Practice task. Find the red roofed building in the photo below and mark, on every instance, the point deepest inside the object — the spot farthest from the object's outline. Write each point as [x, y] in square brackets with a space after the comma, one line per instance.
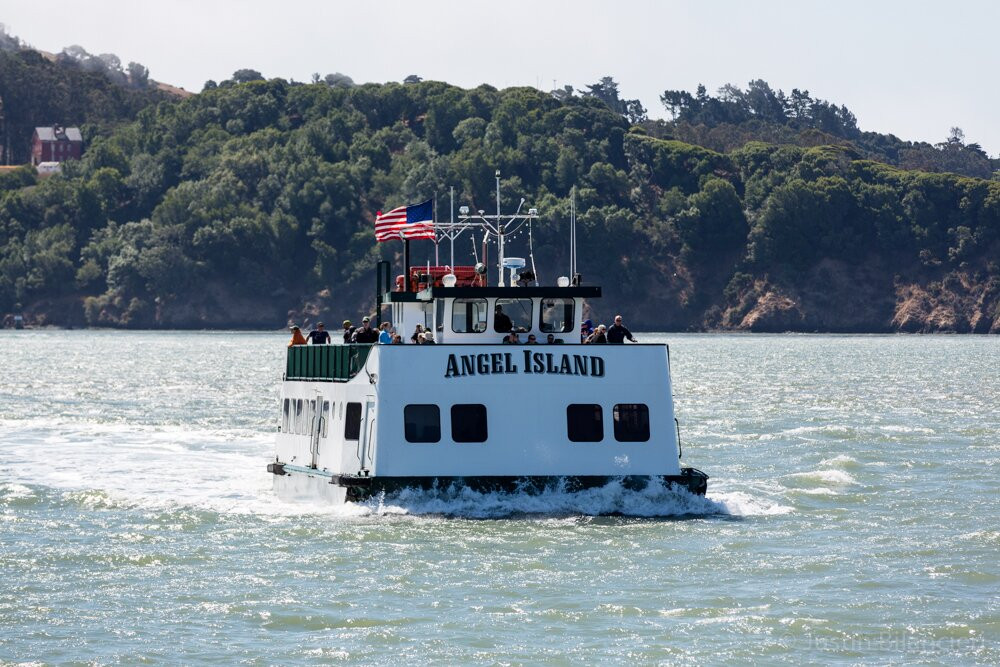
[56, 144]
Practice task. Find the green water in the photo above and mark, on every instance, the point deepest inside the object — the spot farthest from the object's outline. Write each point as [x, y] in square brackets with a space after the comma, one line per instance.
[852, 517]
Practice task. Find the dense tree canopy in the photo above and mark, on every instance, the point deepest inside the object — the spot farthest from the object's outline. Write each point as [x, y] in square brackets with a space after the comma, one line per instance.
[263, 192]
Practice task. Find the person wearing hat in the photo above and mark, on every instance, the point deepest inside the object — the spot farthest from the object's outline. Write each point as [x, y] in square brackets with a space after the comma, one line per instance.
[348, 332]
[365, 335]
[319, 335]
[586, 329]
[297, 337]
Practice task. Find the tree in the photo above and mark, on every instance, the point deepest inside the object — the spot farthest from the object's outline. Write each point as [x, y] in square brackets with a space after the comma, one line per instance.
[247, 75]
[138, 75]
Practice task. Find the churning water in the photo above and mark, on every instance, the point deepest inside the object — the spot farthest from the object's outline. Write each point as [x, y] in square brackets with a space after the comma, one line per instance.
[853, 515]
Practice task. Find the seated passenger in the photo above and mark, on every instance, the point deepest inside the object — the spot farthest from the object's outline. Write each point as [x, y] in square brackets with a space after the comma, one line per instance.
[550, 339]
[428, 338]
[532, 340]
[319, 335]
[586, 329]
[599, 337]
[397, 339]
[418, 335]
[297, 337]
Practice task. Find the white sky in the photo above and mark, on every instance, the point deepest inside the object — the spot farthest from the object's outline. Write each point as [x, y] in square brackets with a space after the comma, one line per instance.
[912, 68]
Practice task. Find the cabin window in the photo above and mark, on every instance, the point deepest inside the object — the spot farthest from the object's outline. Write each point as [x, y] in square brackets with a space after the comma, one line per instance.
[422, 423]
[326, 420]
[468, 423]
[468, 315]
[631, 422]
[557, 316]
[298, 416]
[512, 315]
[311, 418]
[352, 423]
[286, 410]
[585, 422]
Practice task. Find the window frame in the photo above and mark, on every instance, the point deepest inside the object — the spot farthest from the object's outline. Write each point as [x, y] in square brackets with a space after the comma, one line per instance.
[406, 423]
[485, 420]
[466, 302]
[617, 409]
[575, 407]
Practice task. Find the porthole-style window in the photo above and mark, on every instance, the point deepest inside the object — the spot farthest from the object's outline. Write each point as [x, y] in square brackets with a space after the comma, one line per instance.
[422, 423]
[631, 422]
[468, 423]
[585, 422]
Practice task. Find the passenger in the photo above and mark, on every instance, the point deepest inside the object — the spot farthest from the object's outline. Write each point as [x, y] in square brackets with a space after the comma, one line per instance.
[384, 337]
[515, 338]
[319, 335]
[428, 338]
[348, 332]
[397, 339]
[501, 321]
[550, 339]
[297, 337]
[618, 332]
[532, 340]
[586, 329]
[365, 335]
[599, 337]
[418, 335]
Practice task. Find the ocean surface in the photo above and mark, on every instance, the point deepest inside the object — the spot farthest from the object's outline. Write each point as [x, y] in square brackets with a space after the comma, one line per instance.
[853, 516]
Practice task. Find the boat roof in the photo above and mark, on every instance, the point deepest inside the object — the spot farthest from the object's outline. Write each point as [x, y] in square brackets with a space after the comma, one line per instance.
[587, 292]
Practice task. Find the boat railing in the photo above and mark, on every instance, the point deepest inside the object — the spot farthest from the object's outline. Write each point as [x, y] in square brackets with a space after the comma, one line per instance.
[330, 363]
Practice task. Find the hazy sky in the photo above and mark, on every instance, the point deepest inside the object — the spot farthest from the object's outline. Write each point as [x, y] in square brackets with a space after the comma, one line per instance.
[911, 68]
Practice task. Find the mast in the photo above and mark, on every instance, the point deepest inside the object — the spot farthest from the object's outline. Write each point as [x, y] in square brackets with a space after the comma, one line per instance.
[500, 230]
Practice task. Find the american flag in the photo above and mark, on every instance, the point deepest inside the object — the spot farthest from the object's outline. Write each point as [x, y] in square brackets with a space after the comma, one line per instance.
[408, 222]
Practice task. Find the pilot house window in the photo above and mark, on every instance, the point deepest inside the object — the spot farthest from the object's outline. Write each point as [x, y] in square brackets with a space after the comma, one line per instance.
[631, 422]
[468, 316]
[422, 423]
[557, 316]
[512, 315]
[585, 422]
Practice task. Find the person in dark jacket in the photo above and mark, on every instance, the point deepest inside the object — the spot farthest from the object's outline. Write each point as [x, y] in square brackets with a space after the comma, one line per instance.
[501, 321]
[348, 332]
[599, 337]
[618, 332]
[366, 335]
[319, 335]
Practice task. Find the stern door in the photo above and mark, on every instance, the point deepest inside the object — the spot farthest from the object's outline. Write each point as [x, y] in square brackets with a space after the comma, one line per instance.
[367, 444]
[316, 429]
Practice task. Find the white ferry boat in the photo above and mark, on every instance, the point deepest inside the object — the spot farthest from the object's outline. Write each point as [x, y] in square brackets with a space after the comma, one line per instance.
[358, 420]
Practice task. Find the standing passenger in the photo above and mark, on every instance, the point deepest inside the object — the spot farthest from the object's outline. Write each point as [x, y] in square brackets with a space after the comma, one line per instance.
[348, 332]
[319, 336]
[418, 335]
[297, 337]
[586, 329]
[618, 332]
[365, 335]
[384, 337]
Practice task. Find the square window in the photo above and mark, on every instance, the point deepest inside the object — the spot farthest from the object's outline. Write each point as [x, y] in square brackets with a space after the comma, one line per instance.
[422, 423]
[631, 422]
[468, 423]
[585, 422]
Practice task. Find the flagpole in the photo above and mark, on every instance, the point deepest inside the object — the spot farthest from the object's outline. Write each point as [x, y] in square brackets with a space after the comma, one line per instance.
[434, 217]
[406, 264]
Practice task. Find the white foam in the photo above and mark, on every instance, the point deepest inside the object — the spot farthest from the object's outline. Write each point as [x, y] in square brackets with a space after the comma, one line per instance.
[835, 477]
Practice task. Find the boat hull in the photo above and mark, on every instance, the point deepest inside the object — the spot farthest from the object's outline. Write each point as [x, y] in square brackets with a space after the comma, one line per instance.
[294, 482]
